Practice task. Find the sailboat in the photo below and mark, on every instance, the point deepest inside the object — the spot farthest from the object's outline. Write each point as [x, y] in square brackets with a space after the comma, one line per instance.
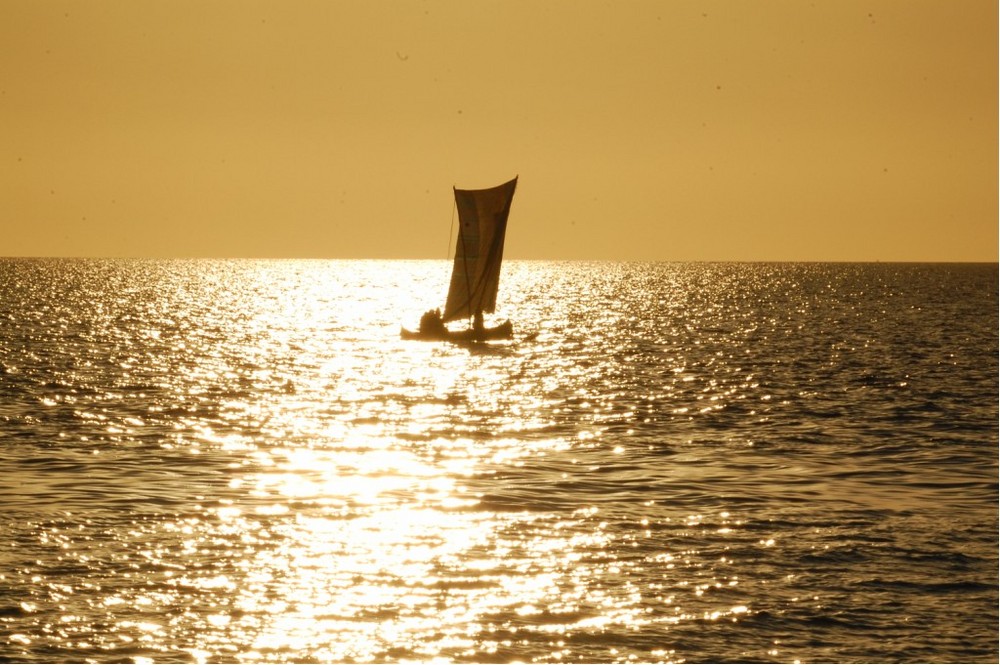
[475, 274]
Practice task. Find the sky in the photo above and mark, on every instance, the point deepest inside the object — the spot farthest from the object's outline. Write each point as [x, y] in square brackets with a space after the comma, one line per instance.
[681, 130]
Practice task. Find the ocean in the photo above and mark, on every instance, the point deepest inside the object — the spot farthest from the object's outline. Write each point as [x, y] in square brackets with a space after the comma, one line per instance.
[241, 461]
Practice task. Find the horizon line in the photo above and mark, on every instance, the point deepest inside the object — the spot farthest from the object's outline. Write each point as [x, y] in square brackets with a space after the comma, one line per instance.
[538, 260]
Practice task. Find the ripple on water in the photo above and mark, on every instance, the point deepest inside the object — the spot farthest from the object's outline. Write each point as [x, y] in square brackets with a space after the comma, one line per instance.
[239, 461]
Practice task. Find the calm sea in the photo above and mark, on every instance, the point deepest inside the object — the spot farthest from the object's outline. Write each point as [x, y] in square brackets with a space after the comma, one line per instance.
[240, 461]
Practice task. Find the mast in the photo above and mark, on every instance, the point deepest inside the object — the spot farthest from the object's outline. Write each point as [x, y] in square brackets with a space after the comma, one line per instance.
[475, 276]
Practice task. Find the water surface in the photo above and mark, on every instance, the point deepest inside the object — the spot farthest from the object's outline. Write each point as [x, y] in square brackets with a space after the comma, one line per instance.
[240, 461]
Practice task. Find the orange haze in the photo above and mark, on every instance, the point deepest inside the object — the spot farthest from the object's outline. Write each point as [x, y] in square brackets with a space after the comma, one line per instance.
[682, 130]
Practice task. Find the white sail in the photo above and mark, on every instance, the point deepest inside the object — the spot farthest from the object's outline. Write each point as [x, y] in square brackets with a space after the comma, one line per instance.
[475, 276]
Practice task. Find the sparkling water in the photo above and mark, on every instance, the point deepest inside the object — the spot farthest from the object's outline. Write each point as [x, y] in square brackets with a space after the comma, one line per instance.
[240, 461]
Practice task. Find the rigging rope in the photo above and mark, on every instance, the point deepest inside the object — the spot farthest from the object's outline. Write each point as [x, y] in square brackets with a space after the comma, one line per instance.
[447, 253]
[451, 229]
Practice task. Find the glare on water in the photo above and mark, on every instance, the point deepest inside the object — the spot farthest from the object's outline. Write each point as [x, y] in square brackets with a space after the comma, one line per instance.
[241, 461]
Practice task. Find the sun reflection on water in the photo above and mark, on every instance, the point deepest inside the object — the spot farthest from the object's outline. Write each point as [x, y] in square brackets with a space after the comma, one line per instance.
[393, 559]
[377, 551]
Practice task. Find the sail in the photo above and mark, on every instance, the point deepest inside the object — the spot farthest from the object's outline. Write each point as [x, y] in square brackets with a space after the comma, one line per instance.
[475, 276]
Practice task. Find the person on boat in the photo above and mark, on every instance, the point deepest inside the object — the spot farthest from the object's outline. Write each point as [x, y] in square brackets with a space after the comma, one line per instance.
[477, 325]
[431, 323]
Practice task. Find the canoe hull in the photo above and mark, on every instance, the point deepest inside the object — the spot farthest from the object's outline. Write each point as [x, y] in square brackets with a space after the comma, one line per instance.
[503, 331]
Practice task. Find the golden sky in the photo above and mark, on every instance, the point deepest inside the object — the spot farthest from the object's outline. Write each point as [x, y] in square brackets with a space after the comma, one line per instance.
[667, 130]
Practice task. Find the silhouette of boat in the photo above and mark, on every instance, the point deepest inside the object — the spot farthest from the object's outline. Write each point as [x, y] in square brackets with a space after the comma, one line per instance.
[475, 275]
[503, 331]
